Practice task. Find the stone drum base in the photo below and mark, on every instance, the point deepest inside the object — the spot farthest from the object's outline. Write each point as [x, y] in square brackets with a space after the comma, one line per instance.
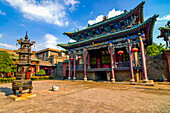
[24, 96]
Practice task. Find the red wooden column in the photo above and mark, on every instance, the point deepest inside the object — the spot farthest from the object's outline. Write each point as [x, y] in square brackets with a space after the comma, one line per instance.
[85, 75]
[114, 59]
[74, 76]
[69, 73]
[112, 64]
[143, 58]
[88, 55]
[131, 63]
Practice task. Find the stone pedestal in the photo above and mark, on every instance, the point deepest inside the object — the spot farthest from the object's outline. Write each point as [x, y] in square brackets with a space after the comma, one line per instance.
[74, 78]
[69, 78]
[24, 96]
[85, 79]
[132, 80]
[113, 80]
[145, 80]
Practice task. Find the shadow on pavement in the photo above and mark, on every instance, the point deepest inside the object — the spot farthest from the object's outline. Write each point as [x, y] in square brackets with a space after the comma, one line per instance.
[6, 90]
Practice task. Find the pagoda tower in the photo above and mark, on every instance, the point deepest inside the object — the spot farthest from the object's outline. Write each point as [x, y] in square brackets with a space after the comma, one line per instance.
[22, 75]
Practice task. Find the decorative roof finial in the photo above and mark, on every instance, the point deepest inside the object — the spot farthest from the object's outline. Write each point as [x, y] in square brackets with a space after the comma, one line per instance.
[26, 37]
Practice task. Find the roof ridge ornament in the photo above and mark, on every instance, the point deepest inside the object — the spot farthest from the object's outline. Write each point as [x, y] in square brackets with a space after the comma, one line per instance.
[26, 37]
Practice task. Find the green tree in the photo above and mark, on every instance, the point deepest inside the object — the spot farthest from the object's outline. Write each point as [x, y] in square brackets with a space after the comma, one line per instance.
[155, 49]
[6, 65]
[41, 72]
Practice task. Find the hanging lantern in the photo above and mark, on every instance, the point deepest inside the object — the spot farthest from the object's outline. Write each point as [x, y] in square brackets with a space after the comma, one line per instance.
[79, 57]
[120, 52]
[135, 50]
[71, 58]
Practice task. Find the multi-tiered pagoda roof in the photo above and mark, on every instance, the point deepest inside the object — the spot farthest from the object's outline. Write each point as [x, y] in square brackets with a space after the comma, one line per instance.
[123, 25]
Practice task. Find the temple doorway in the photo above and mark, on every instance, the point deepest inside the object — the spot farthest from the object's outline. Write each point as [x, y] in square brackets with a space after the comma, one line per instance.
[100, 76]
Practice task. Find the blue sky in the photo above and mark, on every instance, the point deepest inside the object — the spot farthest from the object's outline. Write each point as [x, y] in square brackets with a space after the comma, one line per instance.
[46, 20]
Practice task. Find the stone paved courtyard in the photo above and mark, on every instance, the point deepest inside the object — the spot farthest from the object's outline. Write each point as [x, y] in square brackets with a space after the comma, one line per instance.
[88, 97]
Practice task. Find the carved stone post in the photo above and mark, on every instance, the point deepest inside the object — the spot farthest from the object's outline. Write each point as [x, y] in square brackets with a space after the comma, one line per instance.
[145, 77]
[69, 69]
[112, 64]
[131, 63]
[85, 75]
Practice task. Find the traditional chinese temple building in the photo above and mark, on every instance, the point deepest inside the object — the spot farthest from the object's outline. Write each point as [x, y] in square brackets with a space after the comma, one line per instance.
[165, 34]
[113, 49]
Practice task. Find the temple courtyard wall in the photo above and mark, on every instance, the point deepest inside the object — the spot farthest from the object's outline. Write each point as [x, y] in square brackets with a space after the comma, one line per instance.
[157, 67]
[120, 75]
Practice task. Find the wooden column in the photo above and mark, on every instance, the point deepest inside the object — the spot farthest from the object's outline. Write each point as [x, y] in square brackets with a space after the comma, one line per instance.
[69, 73]
[112, 63]
[74, 64]
[85, 75]
[88, 55]
[135, 54]
[143, 58]
[130, 61]
[114, 59]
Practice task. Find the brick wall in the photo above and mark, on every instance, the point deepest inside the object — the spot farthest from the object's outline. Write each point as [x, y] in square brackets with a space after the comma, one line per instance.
[122, 75]
[80, 75]
[157, 66]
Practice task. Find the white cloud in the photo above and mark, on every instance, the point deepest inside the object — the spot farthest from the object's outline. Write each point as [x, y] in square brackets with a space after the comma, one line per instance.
[114, 13]
[50, 11]
[49, 41]
[165, 18]
[71, 40]
[8, 46]
[0, 35]
[2, 13]
[98, 19]
[72, 3]
[81, 27]
[111, 13]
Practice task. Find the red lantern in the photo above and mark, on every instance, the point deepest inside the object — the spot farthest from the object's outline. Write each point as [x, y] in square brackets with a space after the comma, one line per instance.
[135, 50]
[79, 57]
[71, 58]
[120, 52]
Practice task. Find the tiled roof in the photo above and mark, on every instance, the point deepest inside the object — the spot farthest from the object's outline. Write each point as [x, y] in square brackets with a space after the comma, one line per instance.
[111, 34]
[164, 28]
[45, 63]
[107, 21]
[48, 49]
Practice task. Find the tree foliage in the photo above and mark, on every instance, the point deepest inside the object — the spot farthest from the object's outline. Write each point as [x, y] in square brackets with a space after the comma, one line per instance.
[5, 62]
[155, 49]
[41, 72]
[6, 65]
